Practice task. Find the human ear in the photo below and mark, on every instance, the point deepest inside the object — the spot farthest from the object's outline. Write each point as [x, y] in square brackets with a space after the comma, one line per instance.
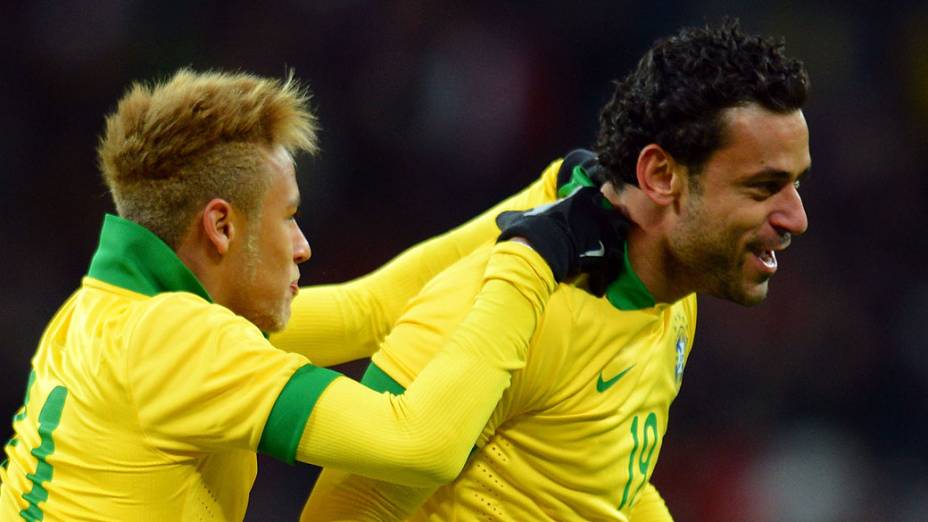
[217, 224]
[659, 176]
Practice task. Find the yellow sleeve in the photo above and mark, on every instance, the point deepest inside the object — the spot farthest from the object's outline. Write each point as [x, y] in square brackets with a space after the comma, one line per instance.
[332, 324]
[430, 317]
[650, 507]
[427, 322]
[423, 437]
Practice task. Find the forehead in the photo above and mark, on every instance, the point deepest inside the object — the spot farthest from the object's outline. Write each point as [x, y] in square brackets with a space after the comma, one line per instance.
[280, 169]
[756, 139]
[278, 157]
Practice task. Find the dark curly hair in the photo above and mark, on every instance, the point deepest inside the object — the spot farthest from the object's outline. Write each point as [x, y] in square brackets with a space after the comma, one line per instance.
[676, 95]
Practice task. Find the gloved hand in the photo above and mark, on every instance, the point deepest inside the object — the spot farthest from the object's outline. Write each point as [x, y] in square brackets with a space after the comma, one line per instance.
[581, 233]
[580, 168]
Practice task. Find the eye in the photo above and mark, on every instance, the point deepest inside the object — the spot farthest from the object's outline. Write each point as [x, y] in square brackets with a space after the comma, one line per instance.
[765, 189]
[796, 184]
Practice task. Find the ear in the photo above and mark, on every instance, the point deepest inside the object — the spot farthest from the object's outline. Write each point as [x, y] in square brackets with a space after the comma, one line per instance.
[218, 226]
[659, 176]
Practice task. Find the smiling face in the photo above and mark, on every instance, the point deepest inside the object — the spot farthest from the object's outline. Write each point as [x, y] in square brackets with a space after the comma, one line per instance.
[266, 272]
[743, 206]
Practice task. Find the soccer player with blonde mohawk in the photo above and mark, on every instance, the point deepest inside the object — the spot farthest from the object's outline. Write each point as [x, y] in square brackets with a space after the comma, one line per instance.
[702, 147]
[154, 385]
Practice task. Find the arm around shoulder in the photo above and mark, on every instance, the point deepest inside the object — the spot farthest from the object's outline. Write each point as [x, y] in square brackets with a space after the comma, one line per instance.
[416, 438]
[332, 324]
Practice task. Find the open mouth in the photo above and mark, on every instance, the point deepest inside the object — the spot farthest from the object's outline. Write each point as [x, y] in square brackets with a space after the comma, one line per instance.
[767, 258]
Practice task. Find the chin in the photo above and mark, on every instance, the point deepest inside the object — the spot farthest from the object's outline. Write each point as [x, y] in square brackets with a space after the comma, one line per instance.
[276, 324]
[282, 322]
[745, 294]
[753, 295]
[270, 323]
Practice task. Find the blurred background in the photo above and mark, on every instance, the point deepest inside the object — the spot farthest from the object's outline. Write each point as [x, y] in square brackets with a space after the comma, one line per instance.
[809, 407]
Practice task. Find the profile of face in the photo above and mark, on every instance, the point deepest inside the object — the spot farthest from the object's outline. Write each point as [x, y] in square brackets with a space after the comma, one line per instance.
[745, 205]
[270, 249]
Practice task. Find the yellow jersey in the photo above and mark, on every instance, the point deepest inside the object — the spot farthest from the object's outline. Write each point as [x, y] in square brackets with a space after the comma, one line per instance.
[575, 437]
[147, 401]
[578, 433]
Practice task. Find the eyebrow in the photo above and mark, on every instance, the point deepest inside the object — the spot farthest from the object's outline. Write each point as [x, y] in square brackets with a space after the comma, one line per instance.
[780, 175]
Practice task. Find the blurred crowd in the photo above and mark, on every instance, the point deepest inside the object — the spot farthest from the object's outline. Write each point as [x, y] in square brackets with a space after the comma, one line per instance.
[810, 407]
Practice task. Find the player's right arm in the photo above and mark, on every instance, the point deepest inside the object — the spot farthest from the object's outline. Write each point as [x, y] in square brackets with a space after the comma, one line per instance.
[332, 324]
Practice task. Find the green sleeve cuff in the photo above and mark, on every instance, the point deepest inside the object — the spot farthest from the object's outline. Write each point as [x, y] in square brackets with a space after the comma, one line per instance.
[378, 380]
[288, 417]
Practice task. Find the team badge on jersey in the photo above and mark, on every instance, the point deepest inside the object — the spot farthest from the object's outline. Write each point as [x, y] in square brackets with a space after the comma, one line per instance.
[680, 348]
[681, 355]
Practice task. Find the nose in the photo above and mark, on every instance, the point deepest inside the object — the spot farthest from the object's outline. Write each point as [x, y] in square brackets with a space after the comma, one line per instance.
[301, 250]
[790, 215]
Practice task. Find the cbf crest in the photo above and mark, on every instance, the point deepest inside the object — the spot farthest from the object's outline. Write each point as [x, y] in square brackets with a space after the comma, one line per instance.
[679, 327]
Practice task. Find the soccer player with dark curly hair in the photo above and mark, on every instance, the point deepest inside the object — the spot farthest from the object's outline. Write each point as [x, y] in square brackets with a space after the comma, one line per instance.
[702, 147]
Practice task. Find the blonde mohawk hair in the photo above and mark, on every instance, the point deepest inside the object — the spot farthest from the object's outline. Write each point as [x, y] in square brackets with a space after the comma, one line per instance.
[172, 146]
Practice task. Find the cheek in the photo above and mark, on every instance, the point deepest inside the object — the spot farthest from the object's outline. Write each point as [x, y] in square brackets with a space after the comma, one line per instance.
[719, 237]
[736, 219]
[749, 226]
[274, 255]
[283, 253]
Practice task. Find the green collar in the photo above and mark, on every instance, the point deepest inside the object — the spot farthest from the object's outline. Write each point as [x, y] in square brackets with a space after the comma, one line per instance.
[627, 292]
[578, 179]
[132, 257]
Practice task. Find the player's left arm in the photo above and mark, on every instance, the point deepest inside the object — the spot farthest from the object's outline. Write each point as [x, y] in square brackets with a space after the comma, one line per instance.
[203, 379]
[414, 341]
[650, 507]
[415, 438]
[431, 317]
[332, 324]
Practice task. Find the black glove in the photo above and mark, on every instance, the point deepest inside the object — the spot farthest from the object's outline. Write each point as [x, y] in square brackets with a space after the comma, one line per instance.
[580, 168]
[581, 233]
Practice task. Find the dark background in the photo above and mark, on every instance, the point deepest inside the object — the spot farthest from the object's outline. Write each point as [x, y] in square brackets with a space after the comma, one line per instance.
[809, 407]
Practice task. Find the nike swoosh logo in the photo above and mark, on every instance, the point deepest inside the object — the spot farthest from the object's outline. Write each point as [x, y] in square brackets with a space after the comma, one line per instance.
[596, 252]
[602, 385]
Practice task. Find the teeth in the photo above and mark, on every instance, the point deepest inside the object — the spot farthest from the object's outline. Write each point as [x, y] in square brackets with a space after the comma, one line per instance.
[769, 258]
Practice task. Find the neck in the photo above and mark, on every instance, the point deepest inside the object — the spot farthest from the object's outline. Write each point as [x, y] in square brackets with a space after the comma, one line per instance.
[647, 246]
[204, 266]
[647, 254]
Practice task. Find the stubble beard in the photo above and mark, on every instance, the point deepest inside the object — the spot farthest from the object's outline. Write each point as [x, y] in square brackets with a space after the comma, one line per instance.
[267, 319]
[709, 261]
